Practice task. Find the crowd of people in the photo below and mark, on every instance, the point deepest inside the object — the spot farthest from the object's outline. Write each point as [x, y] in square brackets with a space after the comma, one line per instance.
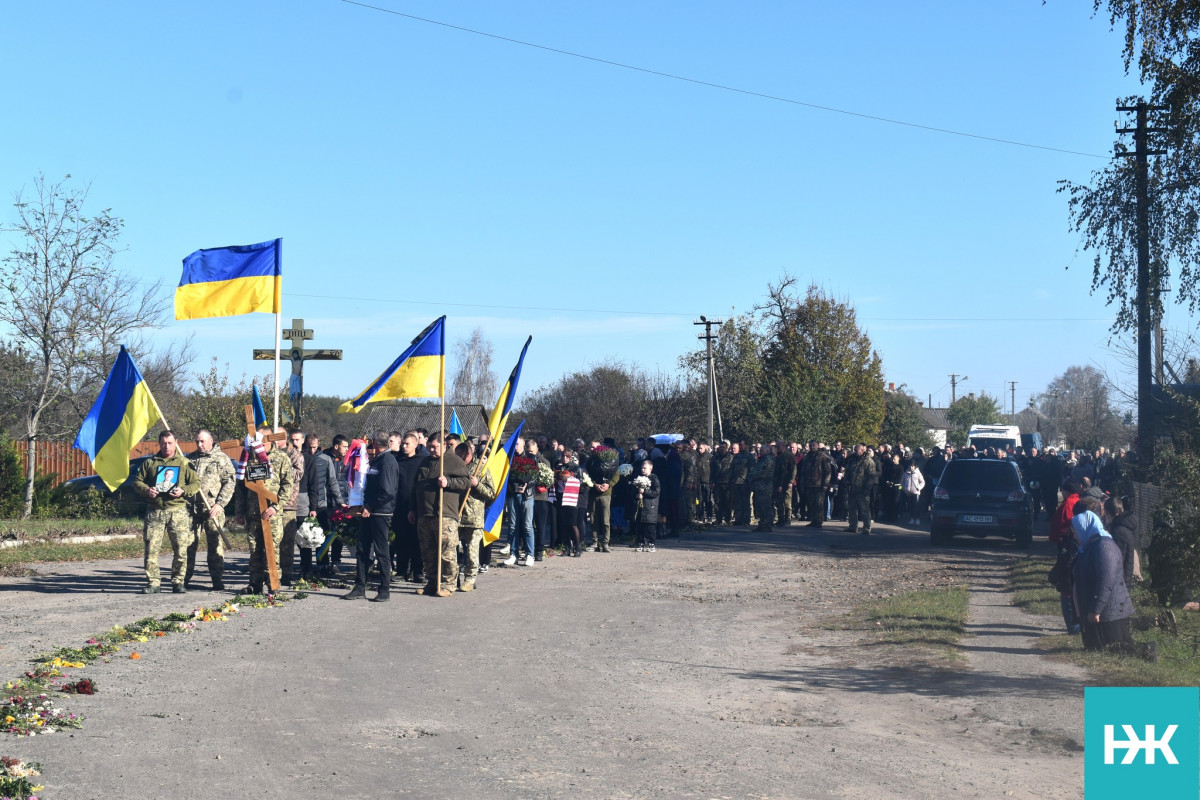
[425, 497]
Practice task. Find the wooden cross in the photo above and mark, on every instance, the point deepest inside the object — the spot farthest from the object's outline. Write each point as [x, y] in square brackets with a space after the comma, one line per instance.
[298, 354]
[264, 496]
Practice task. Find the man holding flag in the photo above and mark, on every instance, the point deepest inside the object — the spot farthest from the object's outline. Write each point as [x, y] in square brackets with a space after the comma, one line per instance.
[446, 473]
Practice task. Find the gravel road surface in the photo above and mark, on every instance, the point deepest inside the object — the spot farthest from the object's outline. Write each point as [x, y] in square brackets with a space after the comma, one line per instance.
[707, 669]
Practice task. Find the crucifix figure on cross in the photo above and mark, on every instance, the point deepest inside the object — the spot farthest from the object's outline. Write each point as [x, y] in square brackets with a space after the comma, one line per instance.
[298, 354]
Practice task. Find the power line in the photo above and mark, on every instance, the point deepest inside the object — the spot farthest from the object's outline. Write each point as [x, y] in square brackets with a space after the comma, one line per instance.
[722, 87]
[641, 313]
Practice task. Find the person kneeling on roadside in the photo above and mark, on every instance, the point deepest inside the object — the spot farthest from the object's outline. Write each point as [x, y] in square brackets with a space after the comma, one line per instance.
[1101, 597]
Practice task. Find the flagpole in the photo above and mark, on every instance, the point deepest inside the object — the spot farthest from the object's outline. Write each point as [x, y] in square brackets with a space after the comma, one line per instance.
[278, 343]
[441, 475]
[479, 462]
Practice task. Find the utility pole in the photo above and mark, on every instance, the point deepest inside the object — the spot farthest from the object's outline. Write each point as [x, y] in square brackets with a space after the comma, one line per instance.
[1012, 403]
[1147, 295]
[954, 382]
[709, 338]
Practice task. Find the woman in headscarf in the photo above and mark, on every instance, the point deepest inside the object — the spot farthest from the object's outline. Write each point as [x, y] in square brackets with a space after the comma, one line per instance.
[1060, 535]
[1101, 597]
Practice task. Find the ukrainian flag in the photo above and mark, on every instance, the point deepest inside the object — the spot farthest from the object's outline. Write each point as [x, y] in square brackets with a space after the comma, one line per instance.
[455, 426]
[227, 281]
[499, 414]
[497, 467]
[119, 419]
[420, 371]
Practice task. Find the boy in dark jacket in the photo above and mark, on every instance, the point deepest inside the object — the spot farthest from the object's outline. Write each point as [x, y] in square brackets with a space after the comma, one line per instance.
[647, 489]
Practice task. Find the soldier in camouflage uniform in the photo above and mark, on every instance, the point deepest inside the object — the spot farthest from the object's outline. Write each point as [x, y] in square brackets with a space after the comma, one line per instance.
[691, 485]
[447, 471]
[281, 482]
[861, 477]
[719, 472]
[166, 511]
[217, 479]
[287, 548]
[470, 525]
[739, 482]
[785, 476]
[762, 482]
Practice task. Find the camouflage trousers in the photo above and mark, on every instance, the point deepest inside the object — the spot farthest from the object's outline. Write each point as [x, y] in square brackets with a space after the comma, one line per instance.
[176, 523]
[470, 539]
[763, 508]
[258, 558]
[427, 533]
[210, 527]
[287, 546]
[859, 509]
[687, 506]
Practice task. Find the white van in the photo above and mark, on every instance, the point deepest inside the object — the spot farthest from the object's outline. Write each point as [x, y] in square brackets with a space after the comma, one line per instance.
[1000, 437]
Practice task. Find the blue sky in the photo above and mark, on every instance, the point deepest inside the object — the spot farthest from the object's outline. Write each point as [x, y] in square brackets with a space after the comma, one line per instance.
[414, 170]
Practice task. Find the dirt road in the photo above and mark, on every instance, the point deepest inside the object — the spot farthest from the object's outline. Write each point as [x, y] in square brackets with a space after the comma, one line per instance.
[703, 670]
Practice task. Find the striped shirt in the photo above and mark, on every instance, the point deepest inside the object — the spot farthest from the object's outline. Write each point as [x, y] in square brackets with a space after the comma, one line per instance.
[570, 491]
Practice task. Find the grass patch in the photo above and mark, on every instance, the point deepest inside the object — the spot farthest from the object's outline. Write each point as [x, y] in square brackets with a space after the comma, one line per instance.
[14, 561]
[1031, 588]
[929, 619]
[60, 528]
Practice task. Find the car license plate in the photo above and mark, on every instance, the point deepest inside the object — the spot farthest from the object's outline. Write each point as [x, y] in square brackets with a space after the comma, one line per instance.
[978, 518]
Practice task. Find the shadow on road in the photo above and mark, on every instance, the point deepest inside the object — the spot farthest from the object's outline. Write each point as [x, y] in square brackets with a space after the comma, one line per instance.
[917, 680]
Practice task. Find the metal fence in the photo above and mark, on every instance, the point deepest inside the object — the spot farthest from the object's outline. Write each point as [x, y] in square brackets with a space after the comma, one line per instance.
[1147, 499]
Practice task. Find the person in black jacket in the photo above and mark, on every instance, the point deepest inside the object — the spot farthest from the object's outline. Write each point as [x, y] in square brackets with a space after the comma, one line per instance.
[379, 503]
[1122, 525]
[407, 550]
[647, 493]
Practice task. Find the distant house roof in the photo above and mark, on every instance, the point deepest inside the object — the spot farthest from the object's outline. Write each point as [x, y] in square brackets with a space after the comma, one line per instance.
[1028, 419]
[385, 417]
[935, 418]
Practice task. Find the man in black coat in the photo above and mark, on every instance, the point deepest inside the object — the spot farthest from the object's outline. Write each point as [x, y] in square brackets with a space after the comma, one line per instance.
[407, 550]
[379, 503]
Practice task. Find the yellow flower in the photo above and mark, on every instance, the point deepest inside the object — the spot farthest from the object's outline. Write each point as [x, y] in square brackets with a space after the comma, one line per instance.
[9, 720]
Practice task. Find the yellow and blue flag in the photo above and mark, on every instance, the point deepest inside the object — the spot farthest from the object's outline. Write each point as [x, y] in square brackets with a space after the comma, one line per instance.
[420, 371]
[497, 467]
[504, 404]
[227, 281]
[118, 420]
[455, 426]
[260, 415]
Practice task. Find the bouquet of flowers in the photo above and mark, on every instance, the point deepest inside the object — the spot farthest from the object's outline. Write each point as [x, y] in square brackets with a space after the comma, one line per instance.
[545, 476]
[642, 482]
[625, 470]
[309, 535]
[16, 778]
[604, 463]
[523, 470]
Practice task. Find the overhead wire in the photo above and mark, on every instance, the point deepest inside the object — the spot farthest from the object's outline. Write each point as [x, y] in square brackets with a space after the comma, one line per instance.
[721, 86]
[647, 313]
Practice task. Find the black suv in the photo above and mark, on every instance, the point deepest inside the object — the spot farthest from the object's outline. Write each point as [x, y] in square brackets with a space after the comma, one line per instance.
[982, 497]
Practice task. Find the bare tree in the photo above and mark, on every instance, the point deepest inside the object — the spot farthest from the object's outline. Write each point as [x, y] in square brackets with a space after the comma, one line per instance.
[65, 305]
[1079, 411]
[474, 382]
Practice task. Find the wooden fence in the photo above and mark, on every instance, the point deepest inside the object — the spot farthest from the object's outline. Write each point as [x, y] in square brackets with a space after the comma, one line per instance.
[62, 459]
